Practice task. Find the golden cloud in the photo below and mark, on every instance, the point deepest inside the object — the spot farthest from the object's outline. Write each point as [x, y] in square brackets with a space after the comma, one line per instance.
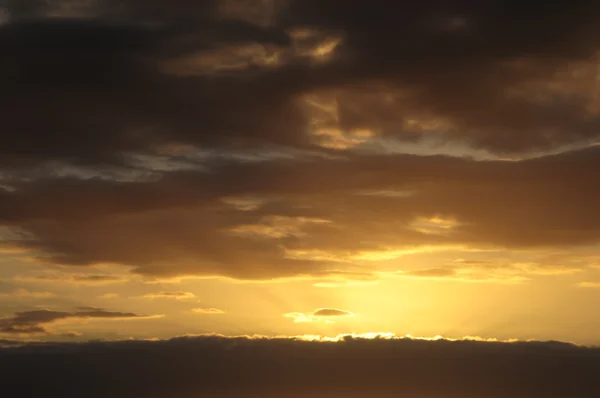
[208, 311]
[320, 315]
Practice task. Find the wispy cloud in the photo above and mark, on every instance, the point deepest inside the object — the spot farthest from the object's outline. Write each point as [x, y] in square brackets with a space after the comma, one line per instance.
[36, 322]
[208, 311]
[71, 278]
[24, 293]
[320, 315]
[169, 295]
[488, 271]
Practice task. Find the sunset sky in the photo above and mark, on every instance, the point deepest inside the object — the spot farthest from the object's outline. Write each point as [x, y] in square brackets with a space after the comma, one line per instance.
[305, 168]
[233, 167]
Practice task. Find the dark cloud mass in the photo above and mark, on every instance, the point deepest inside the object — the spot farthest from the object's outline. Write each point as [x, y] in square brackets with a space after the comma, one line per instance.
[236, 367]
[95, 87]
[180, 225]
[128, 127]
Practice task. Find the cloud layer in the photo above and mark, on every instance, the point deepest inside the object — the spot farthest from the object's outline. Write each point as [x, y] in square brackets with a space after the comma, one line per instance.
[268, 368]
[314, 216]
[202, 75]
[268, 139]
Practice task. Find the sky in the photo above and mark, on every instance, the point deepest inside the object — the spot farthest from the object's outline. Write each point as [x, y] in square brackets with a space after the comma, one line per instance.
[278, 174]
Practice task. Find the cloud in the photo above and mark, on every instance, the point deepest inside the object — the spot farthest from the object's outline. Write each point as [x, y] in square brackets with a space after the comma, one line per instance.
[98, 279]
[24, 293]
[267, 367]
[181, 234]
[72, 334]
[321, 315]
[35, 322]
[76, 279]
[169, 295]
[490, 271]
[128, 56]
[10, 249]
[109, 296]
[208, 311]
[10, 343]
[246, 83]
[277, 227]
[162, 113]
[331, 312]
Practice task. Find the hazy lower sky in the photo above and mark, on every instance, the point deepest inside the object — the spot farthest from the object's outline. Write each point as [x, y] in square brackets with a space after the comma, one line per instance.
[299, 168]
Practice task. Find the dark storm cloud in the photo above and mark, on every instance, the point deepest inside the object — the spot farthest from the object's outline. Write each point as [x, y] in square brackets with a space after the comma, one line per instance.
[34, 322]
[85, 89]
[498, 75]
[236, 367]
[484, 69]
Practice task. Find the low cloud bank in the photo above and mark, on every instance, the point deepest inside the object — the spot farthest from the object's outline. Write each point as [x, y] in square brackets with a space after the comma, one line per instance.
[235, 367]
